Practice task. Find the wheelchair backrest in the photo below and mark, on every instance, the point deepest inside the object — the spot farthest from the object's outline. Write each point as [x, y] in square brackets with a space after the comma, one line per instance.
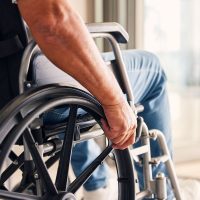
[13, 39]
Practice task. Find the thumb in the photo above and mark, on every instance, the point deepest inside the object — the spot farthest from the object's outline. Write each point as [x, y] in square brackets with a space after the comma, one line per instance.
[105, 125]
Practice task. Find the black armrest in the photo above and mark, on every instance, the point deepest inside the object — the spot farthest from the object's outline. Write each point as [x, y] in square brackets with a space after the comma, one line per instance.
[115, 29]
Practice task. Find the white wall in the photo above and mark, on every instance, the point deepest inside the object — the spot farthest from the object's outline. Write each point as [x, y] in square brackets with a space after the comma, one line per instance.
[85, 8]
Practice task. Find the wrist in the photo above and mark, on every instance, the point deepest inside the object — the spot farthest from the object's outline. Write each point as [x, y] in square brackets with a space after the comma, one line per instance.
[115, 100]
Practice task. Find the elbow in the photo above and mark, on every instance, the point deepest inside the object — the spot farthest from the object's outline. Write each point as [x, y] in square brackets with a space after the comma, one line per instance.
[44, 29]
[53, 26]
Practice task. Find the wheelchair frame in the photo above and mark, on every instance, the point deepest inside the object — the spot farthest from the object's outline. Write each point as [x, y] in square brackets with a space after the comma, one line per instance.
[153, 188]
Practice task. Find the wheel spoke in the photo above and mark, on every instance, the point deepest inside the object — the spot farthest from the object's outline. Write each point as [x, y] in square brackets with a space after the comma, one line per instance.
[12, 168]
[52, 160]
[41, 167]
[2, 187]
[65, 154]
[17, 196]
[82, 178]
[13, 156]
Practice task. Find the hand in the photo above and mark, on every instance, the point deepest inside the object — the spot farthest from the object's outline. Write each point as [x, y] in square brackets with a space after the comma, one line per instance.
[121, 124]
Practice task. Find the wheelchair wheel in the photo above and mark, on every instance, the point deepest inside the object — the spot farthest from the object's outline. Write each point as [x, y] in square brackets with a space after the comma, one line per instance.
[22, 122]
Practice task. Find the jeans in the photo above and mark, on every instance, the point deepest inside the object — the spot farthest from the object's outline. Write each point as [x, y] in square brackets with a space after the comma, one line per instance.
[148, 83]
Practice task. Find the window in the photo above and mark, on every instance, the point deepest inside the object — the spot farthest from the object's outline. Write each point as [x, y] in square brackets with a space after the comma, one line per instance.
[172, 30]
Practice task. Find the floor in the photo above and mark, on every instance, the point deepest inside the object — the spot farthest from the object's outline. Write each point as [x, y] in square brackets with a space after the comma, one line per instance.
[189, 179]
[188, 169]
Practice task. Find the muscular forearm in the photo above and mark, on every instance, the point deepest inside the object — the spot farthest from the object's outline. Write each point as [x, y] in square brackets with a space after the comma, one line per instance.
[64, 39]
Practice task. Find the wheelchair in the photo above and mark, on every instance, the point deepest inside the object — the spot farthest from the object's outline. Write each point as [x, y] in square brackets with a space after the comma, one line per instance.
[21, 125]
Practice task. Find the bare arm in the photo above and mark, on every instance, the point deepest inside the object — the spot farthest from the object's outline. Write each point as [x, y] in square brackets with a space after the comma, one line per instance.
[64, 39]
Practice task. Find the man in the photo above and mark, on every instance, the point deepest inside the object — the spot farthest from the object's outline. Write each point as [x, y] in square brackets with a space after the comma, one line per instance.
[56, 24]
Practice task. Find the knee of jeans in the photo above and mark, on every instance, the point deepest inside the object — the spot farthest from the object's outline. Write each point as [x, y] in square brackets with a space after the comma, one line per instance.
[156, 66]
[152, 57]
[142, 59]
[153, 65]
[154, 61]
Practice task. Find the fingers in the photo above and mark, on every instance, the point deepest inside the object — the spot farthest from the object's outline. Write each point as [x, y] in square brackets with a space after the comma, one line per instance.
[120, 140]
[130, 140]
[114, 136]
[105, 126]
[123, 137]
[120, 125]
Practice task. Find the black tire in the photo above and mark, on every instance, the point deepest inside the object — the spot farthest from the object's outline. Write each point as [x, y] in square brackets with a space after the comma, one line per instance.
[13, 126]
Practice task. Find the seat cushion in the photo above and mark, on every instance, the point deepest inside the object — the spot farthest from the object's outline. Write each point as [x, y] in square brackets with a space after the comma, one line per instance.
[45, 72]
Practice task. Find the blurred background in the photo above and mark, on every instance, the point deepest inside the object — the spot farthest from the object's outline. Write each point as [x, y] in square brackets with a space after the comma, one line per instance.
[171, 30]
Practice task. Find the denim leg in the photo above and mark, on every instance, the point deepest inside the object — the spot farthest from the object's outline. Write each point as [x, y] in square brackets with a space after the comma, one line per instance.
[83, 153]
[148, 82]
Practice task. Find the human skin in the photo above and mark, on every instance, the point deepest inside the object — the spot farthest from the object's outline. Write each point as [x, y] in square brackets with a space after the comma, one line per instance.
[65, 40]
